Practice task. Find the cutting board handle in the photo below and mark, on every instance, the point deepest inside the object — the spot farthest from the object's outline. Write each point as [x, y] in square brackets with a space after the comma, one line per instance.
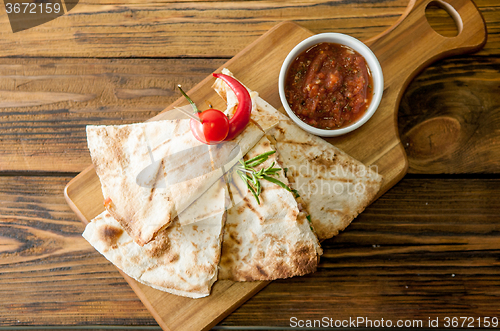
[411, 44]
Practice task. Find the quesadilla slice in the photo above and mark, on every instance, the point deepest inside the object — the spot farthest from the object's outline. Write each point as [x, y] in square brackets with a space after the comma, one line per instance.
[181, 260]
[333, 186]
[270, 240]
[151, 172]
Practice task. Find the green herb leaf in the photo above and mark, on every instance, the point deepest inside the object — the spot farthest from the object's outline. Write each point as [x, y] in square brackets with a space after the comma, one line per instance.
[277, 182]
[255, 163]
[254, 194]
[261, 156]
[251, 176]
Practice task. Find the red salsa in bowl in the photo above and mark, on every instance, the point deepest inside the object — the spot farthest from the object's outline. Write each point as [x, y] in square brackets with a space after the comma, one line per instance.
[328, 86]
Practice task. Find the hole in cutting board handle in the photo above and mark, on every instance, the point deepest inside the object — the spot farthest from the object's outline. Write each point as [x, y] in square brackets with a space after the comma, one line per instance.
[443, 18]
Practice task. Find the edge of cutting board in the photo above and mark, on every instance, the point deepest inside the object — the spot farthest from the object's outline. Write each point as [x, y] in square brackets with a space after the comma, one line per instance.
[226, 296]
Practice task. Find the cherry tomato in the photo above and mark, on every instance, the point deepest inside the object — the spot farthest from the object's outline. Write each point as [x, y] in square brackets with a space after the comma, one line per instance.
[213, 128]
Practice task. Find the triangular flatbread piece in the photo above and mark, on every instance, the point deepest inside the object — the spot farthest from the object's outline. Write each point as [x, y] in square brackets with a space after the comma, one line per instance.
[151, 172]
[269, 240]
[181, 260]
[333, 186]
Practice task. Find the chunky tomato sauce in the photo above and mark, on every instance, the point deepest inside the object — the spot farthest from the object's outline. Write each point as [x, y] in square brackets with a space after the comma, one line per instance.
[329, 86]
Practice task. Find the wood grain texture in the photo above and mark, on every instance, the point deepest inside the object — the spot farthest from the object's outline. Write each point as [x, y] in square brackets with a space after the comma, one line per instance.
[461, 92]
[48, 272]
[376, 142]
[194, 29]
[257, 66]
[428, 247]
[199, 28]
[449, 120]
[46, 103]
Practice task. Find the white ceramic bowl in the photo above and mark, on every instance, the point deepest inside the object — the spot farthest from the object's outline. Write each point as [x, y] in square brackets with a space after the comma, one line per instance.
[358, 46]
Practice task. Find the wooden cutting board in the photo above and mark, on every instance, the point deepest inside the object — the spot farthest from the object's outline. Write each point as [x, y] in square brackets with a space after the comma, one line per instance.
[403, 51]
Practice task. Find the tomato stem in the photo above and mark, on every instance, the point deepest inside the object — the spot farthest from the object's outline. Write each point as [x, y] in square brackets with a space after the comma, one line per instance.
[195, 109]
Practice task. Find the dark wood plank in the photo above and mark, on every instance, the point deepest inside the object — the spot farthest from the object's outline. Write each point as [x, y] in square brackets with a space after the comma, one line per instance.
[49, 274]
[427, 248]
[45, 104]
[449, 113]
[195, 29]
[449, 117]
[198, 28]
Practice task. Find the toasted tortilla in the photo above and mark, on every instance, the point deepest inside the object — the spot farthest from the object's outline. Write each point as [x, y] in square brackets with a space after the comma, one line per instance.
[268, 241]
[181, 260]
[333, 186]
[153, 171]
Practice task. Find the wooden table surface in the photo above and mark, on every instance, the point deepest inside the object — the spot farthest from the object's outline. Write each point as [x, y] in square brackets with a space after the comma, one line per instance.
[428, 248]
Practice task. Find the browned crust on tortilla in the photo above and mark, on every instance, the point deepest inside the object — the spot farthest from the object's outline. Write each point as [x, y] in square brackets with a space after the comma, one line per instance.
[110, 235]
[323, 161]
[268, 241]
[303, 257]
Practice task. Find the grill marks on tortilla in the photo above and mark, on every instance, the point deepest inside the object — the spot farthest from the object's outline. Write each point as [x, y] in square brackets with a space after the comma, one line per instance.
[305, 264]
[115, 144]
[296, 148]
[121, 153]
[111, 138]
[271, 263]
[182, 259]
[160, 247]
[260, 241]
[127, 226]
[153, 188]
[325, 178]
[247, 203]
[270, 241]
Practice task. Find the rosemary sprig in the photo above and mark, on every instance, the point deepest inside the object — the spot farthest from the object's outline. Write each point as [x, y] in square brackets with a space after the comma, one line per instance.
[252, 177]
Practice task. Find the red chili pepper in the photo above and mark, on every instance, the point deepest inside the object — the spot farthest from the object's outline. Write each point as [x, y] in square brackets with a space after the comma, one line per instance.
[241, 117]
[214, 126]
